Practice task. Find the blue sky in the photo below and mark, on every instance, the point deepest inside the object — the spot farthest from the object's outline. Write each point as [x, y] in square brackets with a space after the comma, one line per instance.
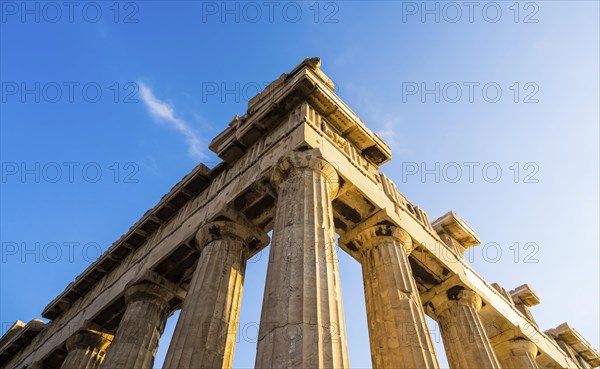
[105, 106]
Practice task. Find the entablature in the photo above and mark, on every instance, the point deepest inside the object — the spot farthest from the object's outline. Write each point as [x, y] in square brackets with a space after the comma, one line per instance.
[525, 295]
[17, 337]
[579, 344]
[306, 82]
[450, 224]
[152, 220]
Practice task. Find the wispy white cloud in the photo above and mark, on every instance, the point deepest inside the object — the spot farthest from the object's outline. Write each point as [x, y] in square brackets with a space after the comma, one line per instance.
[388, 133]
[387, 122]
[163, 112]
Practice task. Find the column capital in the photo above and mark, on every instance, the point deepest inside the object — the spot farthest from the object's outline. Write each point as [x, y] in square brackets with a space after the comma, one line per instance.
[296, 163]
[516, 347]
[370, 232]
[249, 235]
[457, 295]
[149, 291]
[370, 236]
[89, 338]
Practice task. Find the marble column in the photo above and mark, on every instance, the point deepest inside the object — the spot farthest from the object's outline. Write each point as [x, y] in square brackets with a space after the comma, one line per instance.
[398, 333]
[302, 321]
[86, 350]
[517, 354]
[140, 329]
[205, 334]
[465, 341]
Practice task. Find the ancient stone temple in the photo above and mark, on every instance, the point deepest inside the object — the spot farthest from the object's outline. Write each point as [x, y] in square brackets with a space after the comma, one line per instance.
[301, 164]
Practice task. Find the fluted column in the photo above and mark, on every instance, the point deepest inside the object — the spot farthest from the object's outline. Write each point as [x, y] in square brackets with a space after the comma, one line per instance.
[517, 354]
[205, 334]
[302, 321]
[465, 341]
[86, 350]
[398, 333]
[140, 329]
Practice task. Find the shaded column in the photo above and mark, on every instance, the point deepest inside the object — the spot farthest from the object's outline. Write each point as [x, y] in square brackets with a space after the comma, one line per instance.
[205, 334]
[517, 354]
[136, 342]
[86, 350]
[465, 341]
[302, 321]
[37, 365]
[398, 333]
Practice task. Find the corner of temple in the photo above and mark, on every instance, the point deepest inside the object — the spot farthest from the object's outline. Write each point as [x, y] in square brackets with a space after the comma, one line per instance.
[301, 163]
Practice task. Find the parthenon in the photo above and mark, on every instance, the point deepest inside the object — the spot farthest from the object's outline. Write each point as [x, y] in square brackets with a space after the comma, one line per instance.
[302, 165]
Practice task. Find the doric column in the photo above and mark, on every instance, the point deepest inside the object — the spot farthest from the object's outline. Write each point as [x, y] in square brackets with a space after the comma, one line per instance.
[206, 331]
[302, 321]
[398, 332]
[465, 341]
[517, 354]
[86, 350]
[136, 341]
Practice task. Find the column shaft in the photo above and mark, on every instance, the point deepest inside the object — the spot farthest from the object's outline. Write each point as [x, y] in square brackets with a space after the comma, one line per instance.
[86, 350]
[205, 334]
[302, 321]
[398, 332]
[140, 329]
[463, 334]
